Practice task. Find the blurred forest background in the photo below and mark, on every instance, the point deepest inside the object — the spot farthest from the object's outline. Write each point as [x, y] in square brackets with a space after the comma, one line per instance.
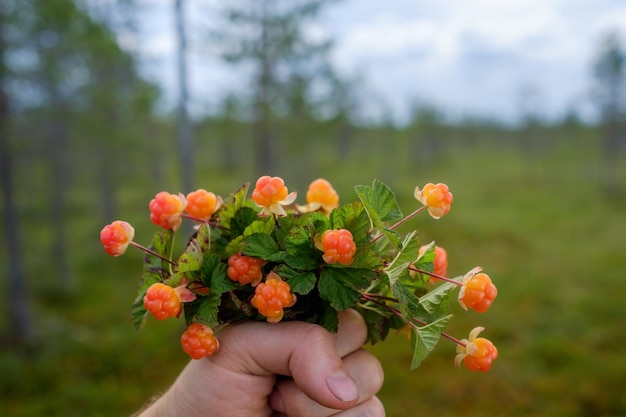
[83, 140]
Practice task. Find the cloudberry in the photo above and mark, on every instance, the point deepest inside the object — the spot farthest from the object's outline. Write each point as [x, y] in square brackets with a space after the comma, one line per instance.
[440, 263]
[245, 269]
[271, 297]
[202, 204]
[162, 301]
[116, 237]
[338, 246]
[271, 194]
[321, 195]
[477, 291]
[477, 353]
[437, 198]
[199, 341]
[166, 210]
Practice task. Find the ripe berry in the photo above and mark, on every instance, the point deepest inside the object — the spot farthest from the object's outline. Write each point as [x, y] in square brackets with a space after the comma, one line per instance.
[321, 194]
[338, 246]
[437, 198]
[245, 269]
[271, 194]
[202, 204]
[116, 237]
[477, 291]
[477, 353]
[440, 263]
[162, 301]
[166, 210]
[272, 296]
[199, 341]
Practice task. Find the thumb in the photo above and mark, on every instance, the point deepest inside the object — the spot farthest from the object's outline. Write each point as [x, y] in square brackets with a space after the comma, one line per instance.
[304, 351]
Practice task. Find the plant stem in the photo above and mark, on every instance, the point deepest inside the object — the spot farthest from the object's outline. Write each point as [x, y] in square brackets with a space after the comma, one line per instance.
[374, 299]
[151, 252]
[437, 276]
[400, 222]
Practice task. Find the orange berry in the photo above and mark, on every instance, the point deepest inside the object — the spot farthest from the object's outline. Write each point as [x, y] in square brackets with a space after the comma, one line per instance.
[440, 263]
[162, 301]
[272, 297]
[476, 353]
[166, 210]
[271, 194]
[199, 341]
[322, 194]
[437, 198]
[245, 269]
[202, 204]
[477, 291]
[116, 237]
[338, 246]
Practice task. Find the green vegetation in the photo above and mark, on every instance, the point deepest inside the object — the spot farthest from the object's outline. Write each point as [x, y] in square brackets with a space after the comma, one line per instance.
[542, 228]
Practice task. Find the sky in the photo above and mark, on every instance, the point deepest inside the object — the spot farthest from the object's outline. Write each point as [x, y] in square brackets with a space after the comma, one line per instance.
[484, 58]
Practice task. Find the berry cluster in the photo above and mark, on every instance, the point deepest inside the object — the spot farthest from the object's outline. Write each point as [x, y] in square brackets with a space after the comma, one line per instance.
[269, 259]
[338, 246]
[272, 297]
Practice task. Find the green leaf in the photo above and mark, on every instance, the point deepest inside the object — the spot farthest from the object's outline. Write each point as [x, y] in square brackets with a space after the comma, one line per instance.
[353, 217]
[301, 252]
[191, 259]
[381, 199]
[232, 205]
[208, 309]
[214, 277]
[262, 246]
[424, 339]
[408, 302]
[243, 218]
[426, 261]
[138, 311]
[203, 238]
[300, 282]
[162, 245]
[340, 287]
[432, 301]
[406, 255]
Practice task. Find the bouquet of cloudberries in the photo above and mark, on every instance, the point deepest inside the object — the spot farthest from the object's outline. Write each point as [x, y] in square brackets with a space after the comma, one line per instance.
[268, 258]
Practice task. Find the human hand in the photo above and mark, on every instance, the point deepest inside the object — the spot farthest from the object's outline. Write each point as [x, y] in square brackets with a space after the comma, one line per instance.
[287, 369]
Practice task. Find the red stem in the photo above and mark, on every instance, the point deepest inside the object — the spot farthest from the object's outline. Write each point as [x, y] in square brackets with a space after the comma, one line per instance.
[151, 252]
[373, 298]
[432, 274]
[400, 222]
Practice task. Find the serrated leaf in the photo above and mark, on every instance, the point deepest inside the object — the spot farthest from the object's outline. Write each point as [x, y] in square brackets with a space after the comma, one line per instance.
[234, 202]
[405, 256]
[208, 309]
[191, 259]
[162, 245]
[243, 218]
[214, 276]
[424, 339]
[138, 311]
[381, 199]
[426, 261]
[408, 301]
[431, 302]
[300, 249]
[299, 281]
[262, 246]
[329, 319]
[203, 238]
[353, 217]
[340, 287]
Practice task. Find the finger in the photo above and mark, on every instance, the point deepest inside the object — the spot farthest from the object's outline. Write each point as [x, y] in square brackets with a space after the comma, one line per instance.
[352, 332]
[367, 372]
[306, 352]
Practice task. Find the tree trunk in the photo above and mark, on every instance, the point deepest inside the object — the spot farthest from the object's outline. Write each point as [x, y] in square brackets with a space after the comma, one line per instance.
[20, 321]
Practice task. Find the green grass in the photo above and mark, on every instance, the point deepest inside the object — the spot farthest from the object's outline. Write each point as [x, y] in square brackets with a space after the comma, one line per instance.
[542, 227]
